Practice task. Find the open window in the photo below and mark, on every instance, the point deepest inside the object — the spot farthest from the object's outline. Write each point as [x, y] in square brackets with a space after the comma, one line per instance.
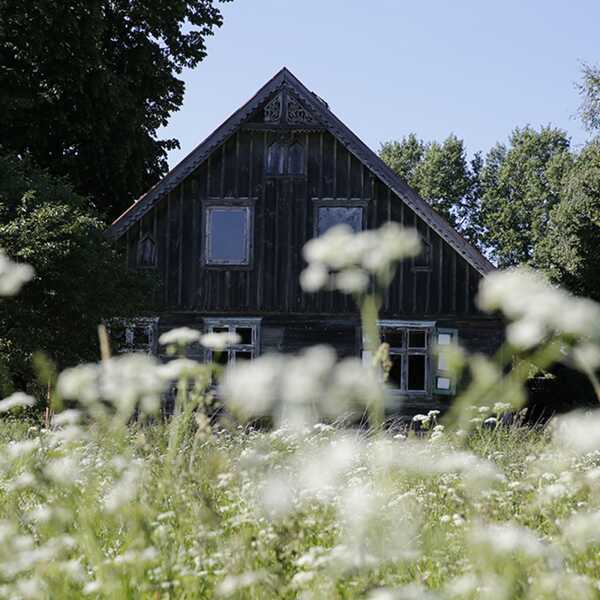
[329, 213]
[410, 355]
[228, 235]
[248, 330]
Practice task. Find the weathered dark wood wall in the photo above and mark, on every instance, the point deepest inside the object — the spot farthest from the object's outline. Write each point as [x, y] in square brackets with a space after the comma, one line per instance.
[283, 222]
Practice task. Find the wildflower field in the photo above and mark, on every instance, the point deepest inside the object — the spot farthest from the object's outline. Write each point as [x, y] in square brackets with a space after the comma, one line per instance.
[108, 498]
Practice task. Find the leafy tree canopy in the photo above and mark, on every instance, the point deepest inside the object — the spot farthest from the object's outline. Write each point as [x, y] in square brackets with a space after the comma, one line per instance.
[80, 279]
[84, 87]
[440, 173]
[520, 185]
[570, 252]
[589, 90]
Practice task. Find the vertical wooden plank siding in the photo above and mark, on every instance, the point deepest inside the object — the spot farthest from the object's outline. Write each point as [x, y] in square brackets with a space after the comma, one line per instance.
[283, 221]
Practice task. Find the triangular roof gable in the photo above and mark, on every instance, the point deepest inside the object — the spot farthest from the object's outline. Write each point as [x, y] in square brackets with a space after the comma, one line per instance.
[343, 134]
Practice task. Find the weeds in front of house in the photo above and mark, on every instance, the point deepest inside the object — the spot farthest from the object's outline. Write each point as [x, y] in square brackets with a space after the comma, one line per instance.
[108, 500]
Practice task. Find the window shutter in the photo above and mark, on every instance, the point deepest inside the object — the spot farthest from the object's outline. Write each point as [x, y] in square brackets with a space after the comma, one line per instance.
[444, 383]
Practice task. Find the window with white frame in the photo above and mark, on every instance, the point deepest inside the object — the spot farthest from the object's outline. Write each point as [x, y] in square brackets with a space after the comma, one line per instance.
[248, 331]
[228, 235]
[410, 355]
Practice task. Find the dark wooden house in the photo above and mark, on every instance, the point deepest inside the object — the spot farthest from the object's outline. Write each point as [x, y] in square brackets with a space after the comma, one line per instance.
[225, 228]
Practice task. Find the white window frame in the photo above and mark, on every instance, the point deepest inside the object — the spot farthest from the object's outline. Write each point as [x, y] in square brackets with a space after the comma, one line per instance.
[428, 328]
[231, 323]
[248, 233]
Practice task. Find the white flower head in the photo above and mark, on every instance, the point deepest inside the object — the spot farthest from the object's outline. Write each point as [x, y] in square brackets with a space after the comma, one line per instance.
[16, 400]
[314, 277]
[13, 275]
[181, 336]
[218, 341]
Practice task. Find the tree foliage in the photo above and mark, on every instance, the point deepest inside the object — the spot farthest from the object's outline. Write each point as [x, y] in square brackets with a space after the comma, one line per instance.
[439, 172]
[84, 87]
[80, 278]
[570, 252]
[520, 185]
[589, 90]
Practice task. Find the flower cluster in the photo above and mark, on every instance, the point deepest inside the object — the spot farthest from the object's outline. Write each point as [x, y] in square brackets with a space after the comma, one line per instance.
[536, 309]
[299, 389]
[13, 275]
[344, 260]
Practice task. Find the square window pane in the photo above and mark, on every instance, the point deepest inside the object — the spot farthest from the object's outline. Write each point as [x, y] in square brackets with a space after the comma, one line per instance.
[393, 337]
[245, 334]
[416, 372]
[443, 383]
[241, 355]
[228, 235]
[444, 339]
[416, 339]
[220, 329]
[221, 358]
[395, 374]
[330, 216]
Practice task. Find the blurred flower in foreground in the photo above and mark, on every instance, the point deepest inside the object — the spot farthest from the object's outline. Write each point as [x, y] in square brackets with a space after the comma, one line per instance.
[125, 382]
[16, 400]
[537, 310]
[296, 390]
[353, 257]
[13, 275]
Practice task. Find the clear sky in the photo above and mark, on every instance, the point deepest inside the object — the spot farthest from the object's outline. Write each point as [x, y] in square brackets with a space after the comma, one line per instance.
[476, 68]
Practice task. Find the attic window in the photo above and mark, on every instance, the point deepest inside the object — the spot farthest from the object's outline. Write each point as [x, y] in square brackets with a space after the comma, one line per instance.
[329, 213]
[285, 159]
[146, 252]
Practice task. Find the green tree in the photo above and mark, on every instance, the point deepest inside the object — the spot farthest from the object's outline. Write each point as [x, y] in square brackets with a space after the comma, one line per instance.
[80, 278]
[440, 173]
[520, 185]
[589, 90]
[84, 87]
[570, 252]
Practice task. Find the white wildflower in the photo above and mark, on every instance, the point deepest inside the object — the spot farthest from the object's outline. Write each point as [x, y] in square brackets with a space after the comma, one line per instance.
[181, 336]
[507, 538]
[234, 583]
[13, 275]
[582, 530]
[16, 400]
[179, 368]
[67, 417]
[352, 281]
[314, 277]
[124, 490]
[64, 471]
[218, 341]
[578, 431]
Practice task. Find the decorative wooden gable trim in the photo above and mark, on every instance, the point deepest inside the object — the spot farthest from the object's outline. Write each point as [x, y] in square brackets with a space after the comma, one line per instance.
[306, 109]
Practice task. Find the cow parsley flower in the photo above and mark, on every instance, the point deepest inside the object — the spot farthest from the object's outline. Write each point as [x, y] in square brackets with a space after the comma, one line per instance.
[13, 275]
[218, 341]
[181, 336]
[16, 400]
[354, 257]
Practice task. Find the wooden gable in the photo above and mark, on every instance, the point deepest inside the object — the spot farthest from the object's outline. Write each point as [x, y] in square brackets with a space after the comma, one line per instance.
[230, 168]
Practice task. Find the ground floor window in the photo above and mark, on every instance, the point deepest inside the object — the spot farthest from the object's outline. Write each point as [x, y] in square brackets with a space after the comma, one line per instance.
[135, 334]
[248, 331]
[410, 344]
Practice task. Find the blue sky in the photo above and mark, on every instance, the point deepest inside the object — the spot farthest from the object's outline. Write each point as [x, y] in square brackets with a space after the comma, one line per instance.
[476, 68]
